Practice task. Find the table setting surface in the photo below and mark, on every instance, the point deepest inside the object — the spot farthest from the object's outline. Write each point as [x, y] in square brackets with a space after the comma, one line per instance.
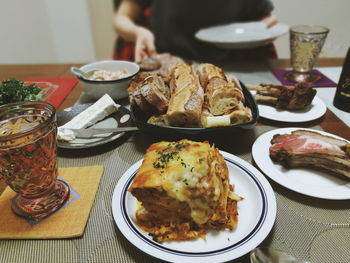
[307, 227]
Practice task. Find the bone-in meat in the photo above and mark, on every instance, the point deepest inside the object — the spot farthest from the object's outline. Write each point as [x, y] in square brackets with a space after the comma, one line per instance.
[302, 148]
[284, 97]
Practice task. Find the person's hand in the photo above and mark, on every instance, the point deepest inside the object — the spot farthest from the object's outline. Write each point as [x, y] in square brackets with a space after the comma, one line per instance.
[270, 20]
[144, 45]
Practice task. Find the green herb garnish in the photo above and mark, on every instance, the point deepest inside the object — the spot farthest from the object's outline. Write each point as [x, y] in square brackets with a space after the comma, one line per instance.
[13, 90]
[169, 153]
[180, 146]
[164, 159]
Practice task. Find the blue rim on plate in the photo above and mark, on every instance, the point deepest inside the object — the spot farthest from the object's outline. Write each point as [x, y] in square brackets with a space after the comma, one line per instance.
[140, 119]
[263, 194]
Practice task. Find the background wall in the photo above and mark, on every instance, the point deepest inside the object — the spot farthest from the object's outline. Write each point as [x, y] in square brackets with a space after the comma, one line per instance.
[61, 31]
[45, 31]
[333, 14]
[101, 15]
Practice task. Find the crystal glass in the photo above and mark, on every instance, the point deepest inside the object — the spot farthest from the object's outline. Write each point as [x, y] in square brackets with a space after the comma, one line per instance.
[28, 158]
[306, 42]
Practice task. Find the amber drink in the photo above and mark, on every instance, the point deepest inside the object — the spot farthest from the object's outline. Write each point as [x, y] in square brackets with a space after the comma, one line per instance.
[306, 42]
[307, 53]
[28, 158]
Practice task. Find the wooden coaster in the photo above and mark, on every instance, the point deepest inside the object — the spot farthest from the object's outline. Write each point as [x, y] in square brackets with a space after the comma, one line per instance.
[68, 222]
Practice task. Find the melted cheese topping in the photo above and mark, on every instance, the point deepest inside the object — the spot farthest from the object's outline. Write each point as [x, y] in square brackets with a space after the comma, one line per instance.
[184, 189]
[185, 176]
[184, 170]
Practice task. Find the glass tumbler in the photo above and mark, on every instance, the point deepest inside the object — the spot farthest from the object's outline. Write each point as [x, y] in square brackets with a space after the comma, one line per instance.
[28, 158]
[306, 42]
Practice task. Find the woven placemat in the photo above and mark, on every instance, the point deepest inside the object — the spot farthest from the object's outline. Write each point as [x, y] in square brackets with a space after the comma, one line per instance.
[308, 228]
[68, 222]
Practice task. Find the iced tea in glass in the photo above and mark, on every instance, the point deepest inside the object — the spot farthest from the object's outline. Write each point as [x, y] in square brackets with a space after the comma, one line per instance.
[28, 158]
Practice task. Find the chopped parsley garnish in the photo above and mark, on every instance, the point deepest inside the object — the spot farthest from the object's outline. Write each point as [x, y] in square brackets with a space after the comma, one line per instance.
[169, 153]
[158, 165]
[13, 90]
[164, 159]
[185, 181]
[180, 146]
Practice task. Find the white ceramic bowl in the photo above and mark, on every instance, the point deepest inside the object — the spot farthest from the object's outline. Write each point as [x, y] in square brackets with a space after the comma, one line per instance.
[117, 89]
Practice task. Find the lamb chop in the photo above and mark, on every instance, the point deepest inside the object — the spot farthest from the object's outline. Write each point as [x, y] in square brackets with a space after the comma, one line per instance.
[284, 97]
[304, 148]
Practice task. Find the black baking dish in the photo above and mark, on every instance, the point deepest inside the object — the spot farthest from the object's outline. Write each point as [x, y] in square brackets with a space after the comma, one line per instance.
[140, 120]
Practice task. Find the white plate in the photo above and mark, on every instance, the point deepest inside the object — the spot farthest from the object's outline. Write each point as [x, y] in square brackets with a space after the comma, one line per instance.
[120, 118]
[241, 35]
[257, 213]
[305, 181]
[312, 112]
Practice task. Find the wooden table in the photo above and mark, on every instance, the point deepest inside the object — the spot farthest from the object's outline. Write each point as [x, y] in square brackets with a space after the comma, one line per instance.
[330, 122]
[43, 71]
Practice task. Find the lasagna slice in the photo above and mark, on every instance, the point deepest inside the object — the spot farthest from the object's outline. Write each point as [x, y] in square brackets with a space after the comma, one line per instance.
[183, 189]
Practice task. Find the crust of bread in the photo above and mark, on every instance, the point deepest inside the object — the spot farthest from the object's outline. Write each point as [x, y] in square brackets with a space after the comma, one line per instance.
[222, 95]
[156, 92]
[241, 115]
[208, 71]
[191, 97]
[160, 120]
[185, 105]
[150, 93]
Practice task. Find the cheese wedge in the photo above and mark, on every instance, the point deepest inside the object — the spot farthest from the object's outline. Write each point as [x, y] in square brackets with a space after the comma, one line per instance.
[96, 112]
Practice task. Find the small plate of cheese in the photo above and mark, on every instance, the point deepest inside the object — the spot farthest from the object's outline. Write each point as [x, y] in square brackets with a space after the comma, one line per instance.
[104, 113]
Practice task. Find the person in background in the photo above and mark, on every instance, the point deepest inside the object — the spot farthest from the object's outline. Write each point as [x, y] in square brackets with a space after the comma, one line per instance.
[146, 27]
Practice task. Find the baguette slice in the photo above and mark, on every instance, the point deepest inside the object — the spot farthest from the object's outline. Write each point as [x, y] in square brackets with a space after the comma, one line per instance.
[222, 95]
[150, 93]
[160, 120]
[185, 105]
[208, 71]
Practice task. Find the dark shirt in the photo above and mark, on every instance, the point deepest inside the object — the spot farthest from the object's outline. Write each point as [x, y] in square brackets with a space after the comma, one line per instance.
[175, 22]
